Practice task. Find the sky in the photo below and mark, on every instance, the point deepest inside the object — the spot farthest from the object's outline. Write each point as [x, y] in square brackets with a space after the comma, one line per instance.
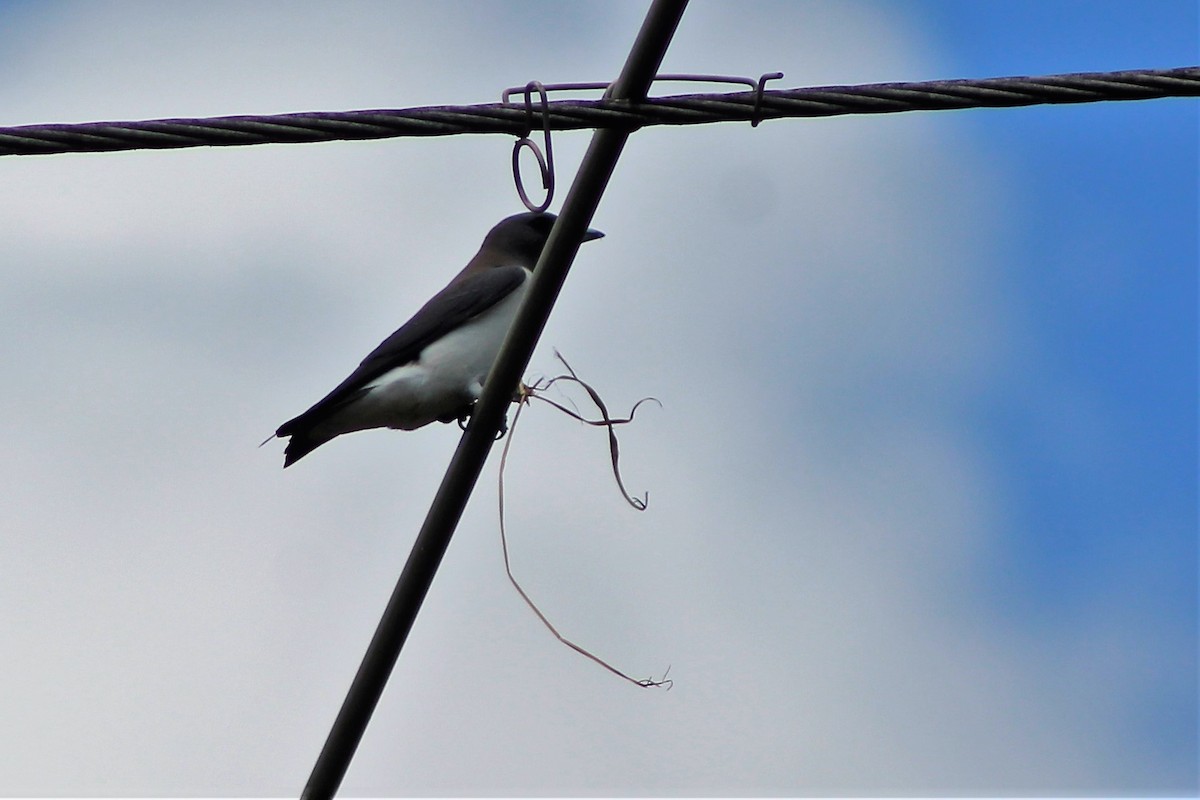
[923, 486]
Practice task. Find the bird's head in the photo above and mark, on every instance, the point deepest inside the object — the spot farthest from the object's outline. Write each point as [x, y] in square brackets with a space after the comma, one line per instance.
[520, 238]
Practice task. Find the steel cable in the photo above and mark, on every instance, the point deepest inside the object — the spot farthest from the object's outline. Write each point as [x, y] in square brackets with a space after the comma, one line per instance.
[689, 109]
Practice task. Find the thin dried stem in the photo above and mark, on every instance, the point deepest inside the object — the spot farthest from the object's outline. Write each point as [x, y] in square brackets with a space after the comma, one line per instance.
[522, 400]
[535, 392]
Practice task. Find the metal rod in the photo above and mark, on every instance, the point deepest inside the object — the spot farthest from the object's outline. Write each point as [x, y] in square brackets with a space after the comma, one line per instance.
[447, 508]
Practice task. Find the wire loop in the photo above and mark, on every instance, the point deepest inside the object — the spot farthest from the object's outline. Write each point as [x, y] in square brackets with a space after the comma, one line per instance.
[545, 163]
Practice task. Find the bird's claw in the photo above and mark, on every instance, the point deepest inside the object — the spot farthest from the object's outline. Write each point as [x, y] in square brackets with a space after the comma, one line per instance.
[465, 418]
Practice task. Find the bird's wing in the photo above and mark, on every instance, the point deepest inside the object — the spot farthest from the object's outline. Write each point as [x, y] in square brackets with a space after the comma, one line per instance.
[446, 310]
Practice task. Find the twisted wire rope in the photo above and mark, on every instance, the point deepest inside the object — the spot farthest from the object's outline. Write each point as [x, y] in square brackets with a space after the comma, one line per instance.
[689, 109]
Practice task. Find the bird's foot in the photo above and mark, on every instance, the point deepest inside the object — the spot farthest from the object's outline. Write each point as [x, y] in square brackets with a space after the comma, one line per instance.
[466, 417]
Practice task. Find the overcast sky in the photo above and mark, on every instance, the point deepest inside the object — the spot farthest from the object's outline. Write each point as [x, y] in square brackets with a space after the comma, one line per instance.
[923, 506]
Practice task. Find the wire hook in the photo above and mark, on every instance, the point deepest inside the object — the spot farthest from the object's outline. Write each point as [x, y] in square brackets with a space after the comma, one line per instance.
[545, 163]
[755, 116]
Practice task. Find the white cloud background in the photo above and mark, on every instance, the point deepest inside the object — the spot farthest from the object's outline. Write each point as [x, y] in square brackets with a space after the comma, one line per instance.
[816, 303]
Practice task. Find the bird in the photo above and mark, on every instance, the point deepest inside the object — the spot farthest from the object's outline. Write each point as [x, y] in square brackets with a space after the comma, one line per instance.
[433, 368]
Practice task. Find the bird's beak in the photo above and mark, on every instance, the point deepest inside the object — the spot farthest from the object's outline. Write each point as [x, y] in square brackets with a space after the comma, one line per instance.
[592, 233]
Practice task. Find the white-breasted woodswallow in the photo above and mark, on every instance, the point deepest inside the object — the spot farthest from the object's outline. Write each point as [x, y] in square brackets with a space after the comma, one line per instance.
[433, 368]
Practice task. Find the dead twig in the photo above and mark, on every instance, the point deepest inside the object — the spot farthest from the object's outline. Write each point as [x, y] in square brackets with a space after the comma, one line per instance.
[524, 395]
[535, 392]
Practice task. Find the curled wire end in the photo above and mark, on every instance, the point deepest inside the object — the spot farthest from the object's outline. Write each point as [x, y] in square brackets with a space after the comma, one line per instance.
[546, 162]
[755, 115]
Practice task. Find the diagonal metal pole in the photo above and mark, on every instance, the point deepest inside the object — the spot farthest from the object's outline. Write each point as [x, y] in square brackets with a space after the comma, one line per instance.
[594, 172]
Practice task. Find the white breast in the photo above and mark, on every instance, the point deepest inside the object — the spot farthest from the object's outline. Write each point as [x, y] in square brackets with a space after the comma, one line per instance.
[447, 377]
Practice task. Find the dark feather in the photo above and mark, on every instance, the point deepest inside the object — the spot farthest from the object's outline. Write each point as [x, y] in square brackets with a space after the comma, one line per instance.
[448, 309]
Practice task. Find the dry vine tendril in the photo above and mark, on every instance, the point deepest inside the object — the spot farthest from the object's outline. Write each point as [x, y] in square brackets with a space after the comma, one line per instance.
[535, 392]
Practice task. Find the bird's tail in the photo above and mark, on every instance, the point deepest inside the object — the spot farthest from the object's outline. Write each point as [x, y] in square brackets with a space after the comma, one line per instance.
[301, 442]
[299, 445]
